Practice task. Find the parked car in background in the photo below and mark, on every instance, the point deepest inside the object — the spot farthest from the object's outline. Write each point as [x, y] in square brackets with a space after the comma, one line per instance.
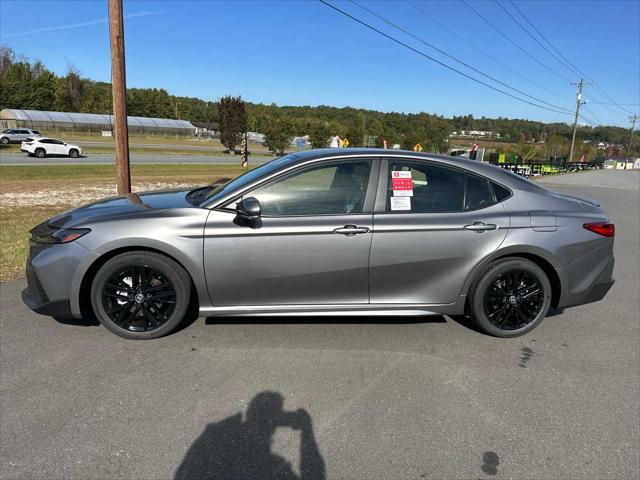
[347, 231]
[17, 135]
[41, 147]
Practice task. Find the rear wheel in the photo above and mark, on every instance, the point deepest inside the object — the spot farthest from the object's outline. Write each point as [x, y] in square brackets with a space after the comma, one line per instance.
[510, 297]
[73, 153]
[140, 295]
[40, 153]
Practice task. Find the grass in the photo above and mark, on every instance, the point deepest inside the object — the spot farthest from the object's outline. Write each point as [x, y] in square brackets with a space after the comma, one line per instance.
[16, 223]
[17, 220]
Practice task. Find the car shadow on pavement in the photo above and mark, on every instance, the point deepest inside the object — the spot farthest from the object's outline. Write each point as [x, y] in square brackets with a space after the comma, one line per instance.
[236, 449]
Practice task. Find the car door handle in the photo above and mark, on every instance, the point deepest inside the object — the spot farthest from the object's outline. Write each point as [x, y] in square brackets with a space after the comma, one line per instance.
[481, 227]
[351, 230]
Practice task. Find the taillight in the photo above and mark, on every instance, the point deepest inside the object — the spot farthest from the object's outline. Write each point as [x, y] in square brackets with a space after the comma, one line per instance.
[604, 229]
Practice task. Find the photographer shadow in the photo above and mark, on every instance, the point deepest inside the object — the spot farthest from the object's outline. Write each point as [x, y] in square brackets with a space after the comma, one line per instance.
[236, 449]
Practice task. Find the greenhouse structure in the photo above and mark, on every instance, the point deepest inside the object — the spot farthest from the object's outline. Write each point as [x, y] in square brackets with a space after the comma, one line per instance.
[90, 122]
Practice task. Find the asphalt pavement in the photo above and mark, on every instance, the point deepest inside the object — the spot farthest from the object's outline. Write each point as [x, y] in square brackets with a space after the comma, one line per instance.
[384, 399]
[109, 158]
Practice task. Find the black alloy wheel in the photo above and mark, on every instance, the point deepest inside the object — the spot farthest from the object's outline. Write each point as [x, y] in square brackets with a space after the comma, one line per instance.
[514, 300]
[139, 298]
[141, 295]
[509, 297]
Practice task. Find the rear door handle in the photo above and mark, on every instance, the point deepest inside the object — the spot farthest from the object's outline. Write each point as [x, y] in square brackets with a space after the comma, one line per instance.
[351, 230]
[481, 227]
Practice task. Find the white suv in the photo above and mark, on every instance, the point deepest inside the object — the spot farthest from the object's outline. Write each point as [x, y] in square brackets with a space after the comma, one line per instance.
[41, 147]
[17, 135]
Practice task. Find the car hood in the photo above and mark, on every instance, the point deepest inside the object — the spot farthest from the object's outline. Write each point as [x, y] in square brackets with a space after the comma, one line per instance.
[122, 205]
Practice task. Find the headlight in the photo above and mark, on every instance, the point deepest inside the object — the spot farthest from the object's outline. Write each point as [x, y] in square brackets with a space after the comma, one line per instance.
[46, 234]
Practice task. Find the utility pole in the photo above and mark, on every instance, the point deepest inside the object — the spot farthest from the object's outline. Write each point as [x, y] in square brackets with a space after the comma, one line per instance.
[364, 118]
[633, 127]
[575, 120]
[119, 91]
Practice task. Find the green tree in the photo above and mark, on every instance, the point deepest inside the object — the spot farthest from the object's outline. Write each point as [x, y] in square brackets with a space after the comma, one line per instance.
[319, 134]
[557, 146]
[278, 135]
[233, 121]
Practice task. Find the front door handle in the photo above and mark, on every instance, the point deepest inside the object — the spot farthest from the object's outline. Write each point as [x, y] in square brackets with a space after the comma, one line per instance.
[351, 230]
[481, 227]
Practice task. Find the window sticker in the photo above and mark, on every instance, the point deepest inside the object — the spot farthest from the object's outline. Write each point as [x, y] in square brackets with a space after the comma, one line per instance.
[400, 203]
[401, 183]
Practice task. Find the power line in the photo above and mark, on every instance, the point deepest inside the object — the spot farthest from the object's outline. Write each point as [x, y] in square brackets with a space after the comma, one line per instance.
[566, 63]
[399, 42]
[530, 35]
[626, 104]
[593, 115]
[571, 65]
[514, 43]
[490, 57]
[439, 50]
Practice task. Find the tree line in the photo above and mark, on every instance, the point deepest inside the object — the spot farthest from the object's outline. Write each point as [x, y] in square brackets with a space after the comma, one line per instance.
[29, 84]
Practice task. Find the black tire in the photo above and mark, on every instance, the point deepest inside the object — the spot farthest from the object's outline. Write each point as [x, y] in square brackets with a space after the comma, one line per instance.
[40, 153]
[73, 153]
[4, 140]
[510, 297]
[142, 318]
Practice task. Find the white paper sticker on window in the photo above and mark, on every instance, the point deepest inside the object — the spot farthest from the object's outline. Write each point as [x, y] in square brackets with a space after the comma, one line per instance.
[400, 203]
[401, 183]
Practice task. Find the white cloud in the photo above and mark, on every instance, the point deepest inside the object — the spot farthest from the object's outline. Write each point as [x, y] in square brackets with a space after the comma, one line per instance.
[79, 25]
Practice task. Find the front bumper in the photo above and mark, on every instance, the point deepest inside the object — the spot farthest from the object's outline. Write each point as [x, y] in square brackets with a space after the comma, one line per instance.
[50, 270]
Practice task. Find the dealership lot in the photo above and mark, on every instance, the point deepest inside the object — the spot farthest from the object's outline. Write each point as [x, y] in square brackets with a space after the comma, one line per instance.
[425, 398]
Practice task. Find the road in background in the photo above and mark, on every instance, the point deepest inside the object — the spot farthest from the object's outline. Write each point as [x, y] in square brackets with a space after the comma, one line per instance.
[109, 158]
[409, 399]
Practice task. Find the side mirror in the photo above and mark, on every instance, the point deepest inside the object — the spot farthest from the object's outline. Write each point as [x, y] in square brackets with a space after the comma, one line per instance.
[248, 208]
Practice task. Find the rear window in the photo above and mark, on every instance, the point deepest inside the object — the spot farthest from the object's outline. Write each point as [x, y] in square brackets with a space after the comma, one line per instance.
[500, 192]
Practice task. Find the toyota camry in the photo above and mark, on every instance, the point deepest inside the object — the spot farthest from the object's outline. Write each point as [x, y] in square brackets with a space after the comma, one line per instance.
[326, 232]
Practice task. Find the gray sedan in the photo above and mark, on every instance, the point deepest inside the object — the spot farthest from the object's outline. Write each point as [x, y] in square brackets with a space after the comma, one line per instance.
[326, 232]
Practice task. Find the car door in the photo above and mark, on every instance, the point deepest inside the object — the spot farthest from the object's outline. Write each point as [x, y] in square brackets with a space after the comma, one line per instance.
[310, 245]
[433, 223]
[57, 147]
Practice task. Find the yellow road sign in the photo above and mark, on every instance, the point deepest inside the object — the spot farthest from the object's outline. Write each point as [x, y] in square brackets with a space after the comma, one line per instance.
[345, 142]
[417, 147]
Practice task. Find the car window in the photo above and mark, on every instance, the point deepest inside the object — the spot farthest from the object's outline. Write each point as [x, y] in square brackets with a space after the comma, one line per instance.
[419, 187]
[479, 193]
[35, 132]
[248, 177]
[46, 140]
[328, 189]
[57, 142]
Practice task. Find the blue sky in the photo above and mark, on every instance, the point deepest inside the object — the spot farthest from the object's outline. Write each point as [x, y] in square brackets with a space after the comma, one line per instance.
[304, 53]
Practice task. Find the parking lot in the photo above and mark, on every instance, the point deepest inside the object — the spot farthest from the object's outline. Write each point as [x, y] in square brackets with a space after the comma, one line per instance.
[426, 398]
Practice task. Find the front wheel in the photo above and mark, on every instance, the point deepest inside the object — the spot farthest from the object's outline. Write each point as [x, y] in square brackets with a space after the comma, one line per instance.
[4, 140]
[73, 153]
[510, 297]
[140, 295]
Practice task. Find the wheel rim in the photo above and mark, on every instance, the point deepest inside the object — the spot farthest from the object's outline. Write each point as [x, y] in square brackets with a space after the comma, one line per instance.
[139, 298]
[514, 299]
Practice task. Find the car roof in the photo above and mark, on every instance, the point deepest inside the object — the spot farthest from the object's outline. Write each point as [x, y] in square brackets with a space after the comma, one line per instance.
[493, 172]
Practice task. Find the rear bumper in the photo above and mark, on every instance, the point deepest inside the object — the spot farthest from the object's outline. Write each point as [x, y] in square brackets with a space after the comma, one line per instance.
[588, 279]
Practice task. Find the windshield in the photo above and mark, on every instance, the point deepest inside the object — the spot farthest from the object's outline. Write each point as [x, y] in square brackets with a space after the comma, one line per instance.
[248, 178]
